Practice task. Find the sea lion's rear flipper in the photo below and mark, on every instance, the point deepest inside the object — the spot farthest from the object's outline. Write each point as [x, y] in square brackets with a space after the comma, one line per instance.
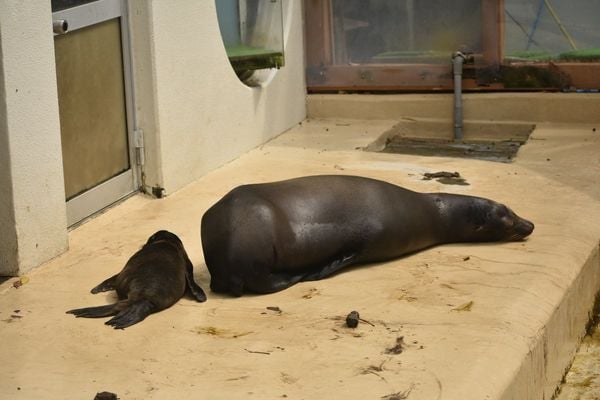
[195, 290]
[107, 285]
[95, 312]
[132, 314]
[330, 268]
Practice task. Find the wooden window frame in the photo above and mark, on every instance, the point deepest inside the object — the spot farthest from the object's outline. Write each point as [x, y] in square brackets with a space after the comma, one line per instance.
[323, 75]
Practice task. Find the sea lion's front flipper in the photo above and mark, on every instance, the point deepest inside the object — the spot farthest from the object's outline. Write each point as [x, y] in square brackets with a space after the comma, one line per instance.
[330, 268]
[274, 282]
[107, 285]
[192, 286]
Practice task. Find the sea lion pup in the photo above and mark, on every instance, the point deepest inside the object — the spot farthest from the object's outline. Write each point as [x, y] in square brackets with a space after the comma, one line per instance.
[153, 279]
[264, 238]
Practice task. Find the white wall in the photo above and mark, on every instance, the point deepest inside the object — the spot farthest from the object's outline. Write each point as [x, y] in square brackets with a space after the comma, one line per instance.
[33, 225]
[195, 113]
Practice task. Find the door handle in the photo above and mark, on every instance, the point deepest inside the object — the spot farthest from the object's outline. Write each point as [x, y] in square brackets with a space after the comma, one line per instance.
[60, 26]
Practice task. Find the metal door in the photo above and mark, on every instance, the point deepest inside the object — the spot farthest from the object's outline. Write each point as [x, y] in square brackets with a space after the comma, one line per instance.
[95, 104]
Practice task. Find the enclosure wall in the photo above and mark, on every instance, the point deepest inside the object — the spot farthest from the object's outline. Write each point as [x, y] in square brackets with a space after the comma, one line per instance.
[195, 112]
[33, 226]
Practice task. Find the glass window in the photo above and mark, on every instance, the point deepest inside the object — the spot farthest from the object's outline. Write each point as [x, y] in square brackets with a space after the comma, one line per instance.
[58, 5]
[557, 30]
[392, 45]
[252, 31]
[392, 31]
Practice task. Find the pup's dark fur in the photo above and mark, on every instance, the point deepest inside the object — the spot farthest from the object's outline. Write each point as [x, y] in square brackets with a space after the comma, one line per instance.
[153, 279]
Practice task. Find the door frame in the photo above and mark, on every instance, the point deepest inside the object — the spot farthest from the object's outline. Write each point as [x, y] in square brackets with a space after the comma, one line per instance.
[124, 184]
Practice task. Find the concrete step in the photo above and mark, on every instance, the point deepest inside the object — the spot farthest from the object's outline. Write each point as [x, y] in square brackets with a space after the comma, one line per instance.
[525, 107]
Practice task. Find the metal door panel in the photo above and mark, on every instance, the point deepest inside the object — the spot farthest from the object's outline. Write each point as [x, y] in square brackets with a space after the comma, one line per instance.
[95, 107]
[90, 13]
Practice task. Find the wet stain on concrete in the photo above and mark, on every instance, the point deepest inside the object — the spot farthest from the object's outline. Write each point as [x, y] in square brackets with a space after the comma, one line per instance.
[219, 332]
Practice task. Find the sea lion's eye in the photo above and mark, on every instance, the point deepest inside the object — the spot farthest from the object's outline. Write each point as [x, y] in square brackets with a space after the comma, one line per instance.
[508, 222]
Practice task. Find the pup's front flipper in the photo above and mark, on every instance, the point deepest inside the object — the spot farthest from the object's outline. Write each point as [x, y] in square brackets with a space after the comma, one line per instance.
[107, 285]
[192, 286]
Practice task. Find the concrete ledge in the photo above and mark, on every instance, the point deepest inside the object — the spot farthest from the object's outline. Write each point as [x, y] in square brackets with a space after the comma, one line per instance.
[526, 107]
[549, 358]
[490, 321]
[33, 222]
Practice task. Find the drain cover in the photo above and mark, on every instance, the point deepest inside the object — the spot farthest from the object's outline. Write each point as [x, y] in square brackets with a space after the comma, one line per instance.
[499, 151]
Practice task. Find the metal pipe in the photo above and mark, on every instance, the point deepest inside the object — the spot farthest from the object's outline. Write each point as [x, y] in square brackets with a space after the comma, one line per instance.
[458, 60]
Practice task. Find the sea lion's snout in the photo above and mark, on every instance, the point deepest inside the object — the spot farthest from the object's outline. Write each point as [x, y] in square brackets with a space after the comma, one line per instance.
[509, 226]
[522, 229]
[526, 227]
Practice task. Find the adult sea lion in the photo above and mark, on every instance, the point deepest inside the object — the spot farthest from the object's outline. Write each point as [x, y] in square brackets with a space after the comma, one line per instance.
[153, 279]
[263, 238]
